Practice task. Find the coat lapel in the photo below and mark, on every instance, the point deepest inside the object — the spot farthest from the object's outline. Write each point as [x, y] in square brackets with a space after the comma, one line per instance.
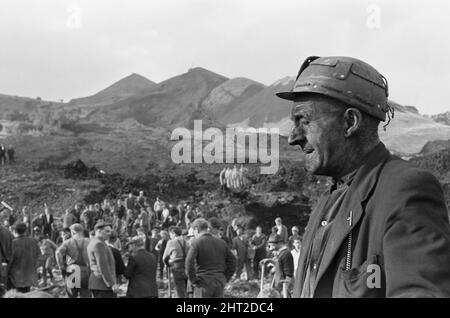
[364, 181]
[313, 223]
[351, 209]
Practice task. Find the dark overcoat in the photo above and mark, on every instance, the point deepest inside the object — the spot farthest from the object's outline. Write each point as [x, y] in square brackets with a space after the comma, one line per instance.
[400, 235]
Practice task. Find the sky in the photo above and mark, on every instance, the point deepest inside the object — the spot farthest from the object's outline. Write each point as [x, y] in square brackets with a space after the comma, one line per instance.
[64, 49]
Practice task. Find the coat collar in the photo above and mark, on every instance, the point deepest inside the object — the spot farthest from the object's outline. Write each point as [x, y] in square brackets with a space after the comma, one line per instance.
[361, 185]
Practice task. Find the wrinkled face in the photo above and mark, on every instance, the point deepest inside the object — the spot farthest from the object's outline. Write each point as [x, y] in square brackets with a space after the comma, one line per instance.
[317, 131]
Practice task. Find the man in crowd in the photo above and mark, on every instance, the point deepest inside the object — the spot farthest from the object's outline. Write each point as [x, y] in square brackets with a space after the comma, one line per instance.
[282, 230]
[284, 265]
[141, 200]
[47, 222]
[118, 261]
[130, 202]
[296, 244]
[22, 269]
[72, 258]
[231, 231]
[68, 219]
[382, 220]
[2, 155]
[258, 243]
[240, 246]
[217, 228]
[6, 239]
[174, 257]
[160, 248]
[102, 280]
[210, 264]
[141, 271]
[89, 217]
[10, 153]
[47, 257]
[158, 207]
[295, 235]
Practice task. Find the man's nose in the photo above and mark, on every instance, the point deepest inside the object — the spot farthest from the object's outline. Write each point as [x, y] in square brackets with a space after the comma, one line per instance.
[296, 136]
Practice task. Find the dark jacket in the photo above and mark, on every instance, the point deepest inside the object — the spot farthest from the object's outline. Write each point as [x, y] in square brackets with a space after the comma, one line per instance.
[141, 272]
[209, 258]
[102, 265]
[400, 229]
[120, 266]
[6, 239]
[240, 244]
[284, 266]
[47, 225]
[22, 269]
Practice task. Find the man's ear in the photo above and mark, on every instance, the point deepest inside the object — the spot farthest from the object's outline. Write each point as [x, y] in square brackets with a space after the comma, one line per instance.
[352, 121]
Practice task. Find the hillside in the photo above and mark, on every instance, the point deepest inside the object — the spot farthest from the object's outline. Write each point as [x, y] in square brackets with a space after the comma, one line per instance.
[225, 97]
[262, 108]
[175, 102]
[124, 88]
[434, 146]
[408, 132]
[443, 118]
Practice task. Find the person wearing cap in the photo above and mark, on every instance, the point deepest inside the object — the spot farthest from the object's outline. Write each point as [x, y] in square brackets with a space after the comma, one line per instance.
[141, 271]
[381, 229]
[210, 264]
[72, 258]
[102, 280]
[22, 268]
[284, 265]
[174, 257]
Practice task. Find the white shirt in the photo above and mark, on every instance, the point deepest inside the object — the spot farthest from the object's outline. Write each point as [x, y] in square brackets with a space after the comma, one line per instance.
[296, 256]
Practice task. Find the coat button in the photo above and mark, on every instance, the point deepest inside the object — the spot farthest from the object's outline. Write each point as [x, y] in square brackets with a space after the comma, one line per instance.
[324, 223]
[315, 266]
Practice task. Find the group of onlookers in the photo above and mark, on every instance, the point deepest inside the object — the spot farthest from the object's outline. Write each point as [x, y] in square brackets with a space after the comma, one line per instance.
[91, 245]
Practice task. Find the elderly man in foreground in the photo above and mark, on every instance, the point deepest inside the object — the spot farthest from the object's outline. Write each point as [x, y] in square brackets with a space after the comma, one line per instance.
[381, 229]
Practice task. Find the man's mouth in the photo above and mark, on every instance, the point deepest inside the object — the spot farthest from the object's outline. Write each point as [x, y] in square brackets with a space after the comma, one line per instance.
[307, 149]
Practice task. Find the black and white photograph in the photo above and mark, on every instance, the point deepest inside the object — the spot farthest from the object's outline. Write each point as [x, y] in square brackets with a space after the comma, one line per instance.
[243, 150]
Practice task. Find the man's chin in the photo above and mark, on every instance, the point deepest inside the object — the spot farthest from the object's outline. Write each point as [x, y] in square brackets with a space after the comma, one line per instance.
[312, 166]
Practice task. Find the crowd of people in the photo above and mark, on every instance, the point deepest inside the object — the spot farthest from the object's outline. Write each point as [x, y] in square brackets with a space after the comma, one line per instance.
[98, 247]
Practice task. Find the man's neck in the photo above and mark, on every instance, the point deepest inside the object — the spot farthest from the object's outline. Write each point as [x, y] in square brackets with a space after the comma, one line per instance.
[356, 156]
